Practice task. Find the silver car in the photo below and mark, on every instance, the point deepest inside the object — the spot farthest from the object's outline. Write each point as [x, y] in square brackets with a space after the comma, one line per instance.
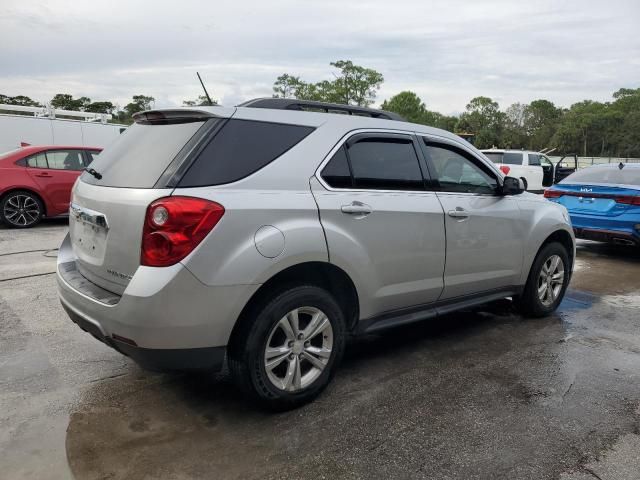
[265, 234]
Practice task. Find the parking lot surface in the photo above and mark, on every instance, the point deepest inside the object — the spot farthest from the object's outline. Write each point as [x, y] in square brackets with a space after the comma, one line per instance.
[478, 394]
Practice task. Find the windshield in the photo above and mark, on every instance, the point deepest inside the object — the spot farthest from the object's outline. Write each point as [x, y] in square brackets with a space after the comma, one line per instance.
[510, 158]
[606, 175]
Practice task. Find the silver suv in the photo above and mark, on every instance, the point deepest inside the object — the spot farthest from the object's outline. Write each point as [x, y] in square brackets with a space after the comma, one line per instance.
[267, 233]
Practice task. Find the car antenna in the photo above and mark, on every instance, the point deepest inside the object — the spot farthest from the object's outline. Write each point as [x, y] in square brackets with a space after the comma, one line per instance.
[621, 165]
[205, 89]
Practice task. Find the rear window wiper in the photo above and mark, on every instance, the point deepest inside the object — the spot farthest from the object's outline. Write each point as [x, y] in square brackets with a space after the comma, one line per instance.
[93, 172]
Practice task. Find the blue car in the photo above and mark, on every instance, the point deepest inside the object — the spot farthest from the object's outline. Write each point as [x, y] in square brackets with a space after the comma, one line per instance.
[603, 202]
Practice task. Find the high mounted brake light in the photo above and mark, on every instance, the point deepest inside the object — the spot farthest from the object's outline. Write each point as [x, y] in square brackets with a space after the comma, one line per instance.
[174, 226]
[171, 117]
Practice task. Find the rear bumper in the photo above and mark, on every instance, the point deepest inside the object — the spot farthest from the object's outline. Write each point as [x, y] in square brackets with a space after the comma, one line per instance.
[620, 229]
[619, 237]
[166, 318]
[208, 358]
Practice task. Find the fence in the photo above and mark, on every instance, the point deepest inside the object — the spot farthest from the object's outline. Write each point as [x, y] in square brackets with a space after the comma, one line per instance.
[588, 161]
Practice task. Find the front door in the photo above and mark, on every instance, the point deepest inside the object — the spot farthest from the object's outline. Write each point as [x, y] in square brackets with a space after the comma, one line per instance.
[485, 235]
[382, 226]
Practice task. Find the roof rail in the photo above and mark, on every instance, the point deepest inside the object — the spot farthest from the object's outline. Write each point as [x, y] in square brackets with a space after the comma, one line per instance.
[295, 104]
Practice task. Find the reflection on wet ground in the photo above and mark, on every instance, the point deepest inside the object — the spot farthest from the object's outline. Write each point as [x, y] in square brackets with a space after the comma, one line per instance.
[479, 394]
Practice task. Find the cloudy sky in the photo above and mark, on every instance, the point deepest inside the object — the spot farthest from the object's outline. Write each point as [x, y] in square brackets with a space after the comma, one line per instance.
[447, 51]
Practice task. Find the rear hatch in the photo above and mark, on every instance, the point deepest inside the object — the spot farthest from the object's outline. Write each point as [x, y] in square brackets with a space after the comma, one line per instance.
[108, 206]
[596, 199]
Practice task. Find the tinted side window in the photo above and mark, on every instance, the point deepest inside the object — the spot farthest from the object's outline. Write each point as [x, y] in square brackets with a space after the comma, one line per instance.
[457, 173]
[241, 148]
[39, 160]
[512, 158]
[385, 164]
[534, 159]
[336, 173]
[65, 159]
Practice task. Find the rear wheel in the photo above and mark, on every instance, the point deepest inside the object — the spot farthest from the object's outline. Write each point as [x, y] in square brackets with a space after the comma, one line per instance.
[285, 353]
[21, 209]
[547, 282]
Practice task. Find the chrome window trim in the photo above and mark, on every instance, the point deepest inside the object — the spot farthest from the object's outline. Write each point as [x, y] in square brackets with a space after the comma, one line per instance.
[344, 140]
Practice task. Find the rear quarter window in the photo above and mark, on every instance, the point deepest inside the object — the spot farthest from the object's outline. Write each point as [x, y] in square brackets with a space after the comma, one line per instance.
[241, 148]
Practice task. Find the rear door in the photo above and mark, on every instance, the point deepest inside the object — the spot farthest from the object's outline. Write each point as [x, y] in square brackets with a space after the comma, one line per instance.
[485, 235]
[55, 171]
[535, 172]
[381, 223]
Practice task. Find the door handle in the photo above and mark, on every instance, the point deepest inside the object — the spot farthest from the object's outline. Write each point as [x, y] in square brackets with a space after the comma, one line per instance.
[459, 213]
[357, 208]
[44, 175]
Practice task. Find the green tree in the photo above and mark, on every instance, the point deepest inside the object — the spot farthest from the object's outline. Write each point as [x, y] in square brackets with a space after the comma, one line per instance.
[408, 105]
[353, 85]
[484, 119]
[514, 132]
[540, 122]
[201, 101]
[100, 107]
[64, 101]
[140, 103]
[21, 100]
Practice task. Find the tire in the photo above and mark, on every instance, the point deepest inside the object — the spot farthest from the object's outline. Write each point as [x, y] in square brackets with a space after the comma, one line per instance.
[21, 209]
[542, 296]
[296, 379]
[524, 182]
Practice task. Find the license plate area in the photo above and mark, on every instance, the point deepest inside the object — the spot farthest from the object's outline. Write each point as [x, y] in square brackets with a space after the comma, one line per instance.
[88, 230]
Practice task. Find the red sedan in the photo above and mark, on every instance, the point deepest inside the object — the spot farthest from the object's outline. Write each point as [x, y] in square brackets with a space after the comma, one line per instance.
[35, 182]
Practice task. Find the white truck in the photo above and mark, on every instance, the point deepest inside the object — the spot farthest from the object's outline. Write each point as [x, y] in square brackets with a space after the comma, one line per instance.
[40, 126]
[535, 169]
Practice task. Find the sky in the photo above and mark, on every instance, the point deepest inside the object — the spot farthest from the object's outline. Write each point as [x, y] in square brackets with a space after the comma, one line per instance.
[446, 51]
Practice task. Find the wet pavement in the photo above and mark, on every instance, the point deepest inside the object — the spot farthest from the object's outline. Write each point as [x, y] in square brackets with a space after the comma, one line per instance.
[479, 394]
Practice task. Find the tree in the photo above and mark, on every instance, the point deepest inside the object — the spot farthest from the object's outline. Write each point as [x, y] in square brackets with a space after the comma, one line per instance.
[100, 107]
[540, 122]
[140, 103]
[408, 105]
[201, 101]
[353, 85]
[484, 119]
[356, 85]
[64, 101]
[21, 100]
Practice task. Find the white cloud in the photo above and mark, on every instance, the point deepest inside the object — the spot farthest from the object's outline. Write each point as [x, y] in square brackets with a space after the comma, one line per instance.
[446, 51]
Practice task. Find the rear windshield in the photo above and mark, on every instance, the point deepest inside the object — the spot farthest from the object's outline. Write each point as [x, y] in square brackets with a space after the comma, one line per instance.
[606, 175]
[510, 158]
[140, 155]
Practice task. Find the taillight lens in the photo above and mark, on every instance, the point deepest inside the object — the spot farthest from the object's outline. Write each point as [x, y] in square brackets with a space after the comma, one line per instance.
[628, 199]
[174, 226]
[505, 169]
[553, 193]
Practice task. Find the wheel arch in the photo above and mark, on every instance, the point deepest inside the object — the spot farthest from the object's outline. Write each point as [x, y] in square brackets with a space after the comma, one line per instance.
[321, 274]
[565, 239]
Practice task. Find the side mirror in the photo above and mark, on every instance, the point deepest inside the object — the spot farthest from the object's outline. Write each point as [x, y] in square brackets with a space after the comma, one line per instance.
[512, 186]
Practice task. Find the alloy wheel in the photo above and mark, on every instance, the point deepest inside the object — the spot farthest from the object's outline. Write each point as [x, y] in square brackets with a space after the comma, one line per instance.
[298, 349]
[550, 280]
[21, 210]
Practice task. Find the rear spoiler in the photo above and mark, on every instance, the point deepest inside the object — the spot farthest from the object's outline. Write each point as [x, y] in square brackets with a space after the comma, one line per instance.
[179, 115]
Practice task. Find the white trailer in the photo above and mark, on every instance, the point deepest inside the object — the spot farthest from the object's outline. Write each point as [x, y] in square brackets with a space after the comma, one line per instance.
[44, 128]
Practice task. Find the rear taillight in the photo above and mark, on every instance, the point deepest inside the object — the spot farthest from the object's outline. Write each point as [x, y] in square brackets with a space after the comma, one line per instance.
[553, 193]
[505, 169]
[628, 199]
[174, 226]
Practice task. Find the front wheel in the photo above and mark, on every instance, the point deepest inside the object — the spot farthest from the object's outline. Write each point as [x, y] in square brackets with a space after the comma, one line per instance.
[547, 282]
[286, 352]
